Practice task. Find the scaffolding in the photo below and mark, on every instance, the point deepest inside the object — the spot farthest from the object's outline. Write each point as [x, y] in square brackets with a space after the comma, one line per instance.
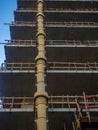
[84, 119]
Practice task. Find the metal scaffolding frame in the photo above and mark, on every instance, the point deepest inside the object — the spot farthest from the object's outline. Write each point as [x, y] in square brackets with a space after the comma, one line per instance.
[84, 119]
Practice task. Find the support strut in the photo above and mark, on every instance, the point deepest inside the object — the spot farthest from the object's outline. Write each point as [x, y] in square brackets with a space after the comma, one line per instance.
[41, 96]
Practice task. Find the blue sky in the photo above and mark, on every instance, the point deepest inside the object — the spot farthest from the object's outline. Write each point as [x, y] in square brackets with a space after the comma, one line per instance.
[7, 8]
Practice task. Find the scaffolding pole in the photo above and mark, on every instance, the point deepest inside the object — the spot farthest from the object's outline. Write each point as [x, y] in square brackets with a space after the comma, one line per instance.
[41, 96]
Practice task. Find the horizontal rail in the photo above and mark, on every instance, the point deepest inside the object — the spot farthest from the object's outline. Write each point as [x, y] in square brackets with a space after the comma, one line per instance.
[17, 66]
[54, 23]
[19, 42]
[53, 102]
[53, 42]
[52, 66]
[60, 9]
[73, 66]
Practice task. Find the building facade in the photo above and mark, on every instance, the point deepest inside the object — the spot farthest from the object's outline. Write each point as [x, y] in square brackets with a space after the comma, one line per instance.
[71, 72]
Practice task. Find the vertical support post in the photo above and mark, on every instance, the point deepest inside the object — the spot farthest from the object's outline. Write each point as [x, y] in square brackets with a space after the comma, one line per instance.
[41, 96]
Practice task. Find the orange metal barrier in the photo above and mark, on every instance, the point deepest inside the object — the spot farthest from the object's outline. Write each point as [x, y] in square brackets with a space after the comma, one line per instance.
[61, 9]
[57, 23]
[52, 66]
[53, 42]
[85, 102]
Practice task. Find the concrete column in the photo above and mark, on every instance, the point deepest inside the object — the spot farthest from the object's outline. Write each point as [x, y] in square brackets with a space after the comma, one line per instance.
[41, 96]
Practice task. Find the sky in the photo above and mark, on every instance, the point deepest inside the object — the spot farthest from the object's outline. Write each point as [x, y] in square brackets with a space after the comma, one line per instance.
[7, 8]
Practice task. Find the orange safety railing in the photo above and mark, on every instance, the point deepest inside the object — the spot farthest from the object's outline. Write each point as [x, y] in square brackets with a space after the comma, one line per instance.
[72, 23]
[17, 66]
[85, 117]
[53, 42]
[73, 66]
[61, 9]
[52, 66]
[21, 42]
[89, 102]
[57, 23]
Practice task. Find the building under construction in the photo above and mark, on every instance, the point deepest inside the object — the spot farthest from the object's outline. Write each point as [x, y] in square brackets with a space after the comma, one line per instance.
[49, 79]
